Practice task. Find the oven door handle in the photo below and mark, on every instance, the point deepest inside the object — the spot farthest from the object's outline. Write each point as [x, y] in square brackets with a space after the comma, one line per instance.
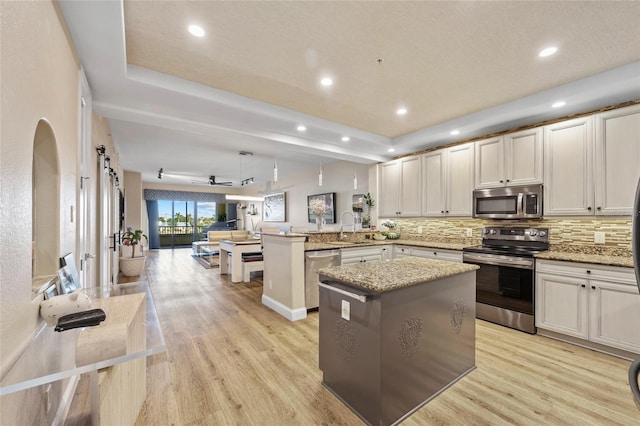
[492, 260]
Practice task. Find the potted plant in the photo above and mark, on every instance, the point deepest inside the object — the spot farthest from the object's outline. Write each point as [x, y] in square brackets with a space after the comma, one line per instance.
[369, 202]
[133, 265]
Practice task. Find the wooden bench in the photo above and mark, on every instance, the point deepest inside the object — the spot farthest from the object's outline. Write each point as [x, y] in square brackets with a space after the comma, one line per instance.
[251, 262]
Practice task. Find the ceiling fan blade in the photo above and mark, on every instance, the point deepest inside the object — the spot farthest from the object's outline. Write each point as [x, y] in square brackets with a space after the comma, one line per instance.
[212, 182]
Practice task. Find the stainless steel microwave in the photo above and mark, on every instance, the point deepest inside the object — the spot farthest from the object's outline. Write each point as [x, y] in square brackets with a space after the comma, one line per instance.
[511, 202]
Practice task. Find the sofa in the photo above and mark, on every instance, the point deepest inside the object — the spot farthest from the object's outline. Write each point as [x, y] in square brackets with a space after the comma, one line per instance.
[212, 243]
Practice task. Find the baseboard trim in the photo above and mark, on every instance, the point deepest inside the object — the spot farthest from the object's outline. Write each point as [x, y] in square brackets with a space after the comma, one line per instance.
[288, 313]
[620, 353]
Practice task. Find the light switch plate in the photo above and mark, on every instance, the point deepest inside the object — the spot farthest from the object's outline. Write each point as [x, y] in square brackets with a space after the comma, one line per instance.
[599, 238]
[469, 232]
[419, 229]
[346, 310]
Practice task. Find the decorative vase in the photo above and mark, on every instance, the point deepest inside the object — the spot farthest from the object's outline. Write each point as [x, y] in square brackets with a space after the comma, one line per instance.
[319, 223]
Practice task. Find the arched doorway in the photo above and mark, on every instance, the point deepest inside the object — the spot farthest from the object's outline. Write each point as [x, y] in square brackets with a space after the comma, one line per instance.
[45, 202]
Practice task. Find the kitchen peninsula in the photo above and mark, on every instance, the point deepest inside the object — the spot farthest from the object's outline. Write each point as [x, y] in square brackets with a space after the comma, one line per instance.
[394, 334]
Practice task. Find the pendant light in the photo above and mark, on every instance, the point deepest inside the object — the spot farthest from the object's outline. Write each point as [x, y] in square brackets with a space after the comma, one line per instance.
[275, 170]
[355, 179]
[320, 176]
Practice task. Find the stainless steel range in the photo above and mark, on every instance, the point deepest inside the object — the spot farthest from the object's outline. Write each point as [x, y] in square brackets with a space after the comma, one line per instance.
[505, 280]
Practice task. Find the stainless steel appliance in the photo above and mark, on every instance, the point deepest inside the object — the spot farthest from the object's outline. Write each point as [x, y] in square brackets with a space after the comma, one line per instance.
[512, 202]
[505, 280]
[634, 369]
[314, 260]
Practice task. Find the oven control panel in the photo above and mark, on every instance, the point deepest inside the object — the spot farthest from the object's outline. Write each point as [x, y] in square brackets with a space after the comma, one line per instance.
[515, 233]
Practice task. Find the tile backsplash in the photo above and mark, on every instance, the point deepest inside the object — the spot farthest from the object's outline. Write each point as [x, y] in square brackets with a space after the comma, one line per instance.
[563, 232]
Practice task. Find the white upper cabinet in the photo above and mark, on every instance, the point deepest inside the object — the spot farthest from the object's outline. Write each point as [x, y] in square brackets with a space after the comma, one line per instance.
[400, 188]
[568, 163]
[617, 160]
[448, 181]
[513, 159]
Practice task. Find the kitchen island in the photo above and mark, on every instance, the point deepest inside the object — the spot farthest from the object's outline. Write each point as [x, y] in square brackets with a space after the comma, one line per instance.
[394, 334]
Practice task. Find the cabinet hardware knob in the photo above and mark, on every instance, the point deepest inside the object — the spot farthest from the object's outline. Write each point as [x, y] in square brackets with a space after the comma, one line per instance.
[501, 181]
[589, 208]
[593, 287]
[508, 180]
[588, 271]
[447, 211]
[441, 211]
[599, 208]
[583, 286]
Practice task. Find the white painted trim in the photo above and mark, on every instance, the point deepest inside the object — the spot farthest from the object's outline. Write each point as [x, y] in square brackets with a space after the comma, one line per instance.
[288, 313]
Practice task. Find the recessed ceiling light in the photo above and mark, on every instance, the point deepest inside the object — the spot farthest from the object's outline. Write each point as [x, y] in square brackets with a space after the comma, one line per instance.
[455, 132]
[301, 128]
[346, 139]
[401, 111]
[326, 81]
[391, 150]
[558, 104]
[196, 30]
[548, 51]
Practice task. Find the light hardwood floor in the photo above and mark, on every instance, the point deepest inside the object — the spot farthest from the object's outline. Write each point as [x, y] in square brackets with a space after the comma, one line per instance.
[232, 361]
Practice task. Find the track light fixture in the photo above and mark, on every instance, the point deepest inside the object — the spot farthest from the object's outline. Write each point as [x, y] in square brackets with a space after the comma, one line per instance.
[160, 173]
[247, 181]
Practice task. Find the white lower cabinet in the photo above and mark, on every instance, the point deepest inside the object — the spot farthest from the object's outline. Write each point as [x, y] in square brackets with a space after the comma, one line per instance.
[597, 303]
[440, 254]
[401, 251]
[429, 253]
[360, 254]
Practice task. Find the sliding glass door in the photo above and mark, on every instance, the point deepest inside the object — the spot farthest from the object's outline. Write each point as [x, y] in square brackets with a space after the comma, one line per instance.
[176, 223]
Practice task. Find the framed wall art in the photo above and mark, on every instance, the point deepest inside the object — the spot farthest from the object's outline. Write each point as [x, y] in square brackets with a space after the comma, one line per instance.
[274, 208]
[323, 205]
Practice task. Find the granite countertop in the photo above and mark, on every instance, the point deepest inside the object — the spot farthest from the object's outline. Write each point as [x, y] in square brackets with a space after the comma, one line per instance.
[597, 259]
[385, 275]
[415, 243]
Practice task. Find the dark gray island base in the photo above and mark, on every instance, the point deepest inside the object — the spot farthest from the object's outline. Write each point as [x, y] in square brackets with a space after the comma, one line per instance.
[395, 334]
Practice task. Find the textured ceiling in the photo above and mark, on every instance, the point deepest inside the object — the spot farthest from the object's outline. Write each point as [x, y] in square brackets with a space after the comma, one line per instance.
[190, 105]
[441, 60]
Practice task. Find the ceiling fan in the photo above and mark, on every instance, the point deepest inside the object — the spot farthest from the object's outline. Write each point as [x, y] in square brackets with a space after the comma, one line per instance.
[212, 182]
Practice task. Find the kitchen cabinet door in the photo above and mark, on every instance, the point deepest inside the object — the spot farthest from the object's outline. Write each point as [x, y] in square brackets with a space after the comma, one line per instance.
[460, 177]
[389, 184]
[568, 161]
[489, 159]
[400, 188]
[617, 160]
[615, 314]
[523, 160]
[433, 183]
[562, 304]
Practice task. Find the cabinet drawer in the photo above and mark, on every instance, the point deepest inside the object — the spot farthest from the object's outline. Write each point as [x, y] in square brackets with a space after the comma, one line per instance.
[587, 270]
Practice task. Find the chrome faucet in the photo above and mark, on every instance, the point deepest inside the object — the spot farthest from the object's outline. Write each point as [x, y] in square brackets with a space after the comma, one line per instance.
[342, 234]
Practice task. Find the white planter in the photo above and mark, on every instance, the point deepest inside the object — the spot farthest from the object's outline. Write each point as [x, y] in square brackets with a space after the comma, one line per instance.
[132, 266]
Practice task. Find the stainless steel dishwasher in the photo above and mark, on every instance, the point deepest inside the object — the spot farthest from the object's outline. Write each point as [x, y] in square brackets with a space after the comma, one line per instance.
[314, 260]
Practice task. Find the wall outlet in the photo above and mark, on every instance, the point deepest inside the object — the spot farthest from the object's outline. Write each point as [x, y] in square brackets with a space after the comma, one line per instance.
[469, 232]
[346, 310]
[419, 229]
[598, 237]
[270, 285]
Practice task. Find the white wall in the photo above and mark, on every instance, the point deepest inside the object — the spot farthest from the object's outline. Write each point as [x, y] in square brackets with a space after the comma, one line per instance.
[39, 80]
[336, 177]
